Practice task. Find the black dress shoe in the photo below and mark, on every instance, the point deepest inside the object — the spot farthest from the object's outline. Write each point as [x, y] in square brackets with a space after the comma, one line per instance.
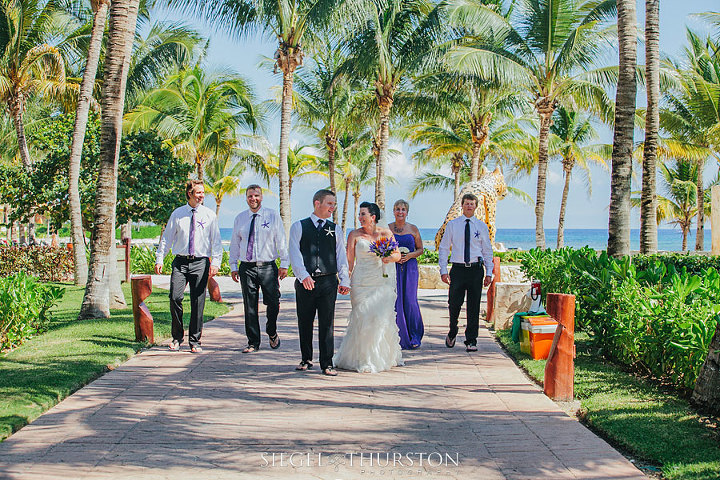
[449, 341]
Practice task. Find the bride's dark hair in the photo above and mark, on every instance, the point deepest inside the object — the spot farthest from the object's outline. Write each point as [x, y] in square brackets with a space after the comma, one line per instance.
[373, 209]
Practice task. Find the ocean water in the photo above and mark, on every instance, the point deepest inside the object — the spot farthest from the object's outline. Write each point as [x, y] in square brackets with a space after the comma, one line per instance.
[524, 238]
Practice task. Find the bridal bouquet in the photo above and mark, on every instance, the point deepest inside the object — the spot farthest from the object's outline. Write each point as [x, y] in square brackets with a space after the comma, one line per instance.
[383, 247]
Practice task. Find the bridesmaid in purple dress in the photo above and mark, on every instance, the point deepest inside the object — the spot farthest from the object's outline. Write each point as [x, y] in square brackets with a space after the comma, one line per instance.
[409, 319]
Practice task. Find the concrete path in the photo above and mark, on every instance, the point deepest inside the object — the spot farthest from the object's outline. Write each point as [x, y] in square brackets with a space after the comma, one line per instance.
[447, 414]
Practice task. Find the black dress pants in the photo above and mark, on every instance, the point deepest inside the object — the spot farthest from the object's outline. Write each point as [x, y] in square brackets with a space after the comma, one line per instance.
[252, 279]
[466, 280]
[195, 272]
[320, 300]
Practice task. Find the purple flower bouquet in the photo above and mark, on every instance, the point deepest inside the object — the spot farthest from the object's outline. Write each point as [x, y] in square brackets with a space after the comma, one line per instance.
[383, 247]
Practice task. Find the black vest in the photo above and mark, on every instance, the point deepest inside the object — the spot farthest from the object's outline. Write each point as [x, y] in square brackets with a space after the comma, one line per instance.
[318, 247]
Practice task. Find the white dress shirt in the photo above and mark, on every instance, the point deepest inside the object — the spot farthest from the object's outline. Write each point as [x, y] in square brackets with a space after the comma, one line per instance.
[176, 236]
[454, 237]
[269, 242]
[296, 258]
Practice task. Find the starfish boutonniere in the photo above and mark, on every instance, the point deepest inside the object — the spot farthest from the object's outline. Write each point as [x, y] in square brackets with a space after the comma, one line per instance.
[329, 232]
[266, 224]
[201, 223]
[477, 234]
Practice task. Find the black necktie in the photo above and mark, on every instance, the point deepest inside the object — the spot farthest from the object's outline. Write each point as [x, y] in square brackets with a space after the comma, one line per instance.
[320, 224]
[467, 240]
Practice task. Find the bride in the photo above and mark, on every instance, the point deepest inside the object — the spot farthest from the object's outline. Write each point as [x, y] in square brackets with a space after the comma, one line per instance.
[371, 343]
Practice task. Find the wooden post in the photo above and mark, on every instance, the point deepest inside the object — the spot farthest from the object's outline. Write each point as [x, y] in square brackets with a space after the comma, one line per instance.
[141, 289]
[560, 366]
[491, 289]
[715, 219]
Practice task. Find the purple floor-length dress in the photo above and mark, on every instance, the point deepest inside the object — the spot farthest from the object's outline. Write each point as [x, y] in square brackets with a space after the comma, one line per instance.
[409, 319]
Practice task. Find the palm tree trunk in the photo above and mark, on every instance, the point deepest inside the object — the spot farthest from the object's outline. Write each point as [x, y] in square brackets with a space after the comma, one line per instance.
[81, 119]
[385, 93]
[218, 201]
[563, 204]
[685, 231]
[648, 200]
[123, 17]
[345, 204]
[456, 166]
[475, 162]
[331, 143]
[700, 235]
[288, 61]
[707, 387]
[545, 109]
[479, 132]
[356, 195]
[619, 220]
[199, 170]
[16, 110]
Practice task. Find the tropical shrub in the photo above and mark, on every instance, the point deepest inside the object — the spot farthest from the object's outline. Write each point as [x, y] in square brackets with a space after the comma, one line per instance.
[659, 319]
[142, 261]
[47, 263]
[24, 306]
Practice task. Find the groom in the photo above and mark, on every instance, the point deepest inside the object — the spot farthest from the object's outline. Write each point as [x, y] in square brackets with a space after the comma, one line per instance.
[317, 256]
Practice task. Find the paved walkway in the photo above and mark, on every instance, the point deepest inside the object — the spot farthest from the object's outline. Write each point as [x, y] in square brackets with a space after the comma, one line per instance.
[223, 415]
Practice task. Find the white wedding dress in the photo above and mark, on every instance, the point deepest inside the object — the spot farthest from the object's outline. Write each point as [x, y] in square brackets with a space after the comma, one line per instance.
[371, 343]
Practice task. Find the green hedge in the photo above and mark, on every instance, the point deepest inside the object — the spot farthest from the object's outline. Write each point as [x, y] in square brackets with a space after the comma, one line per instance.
[47, 263]
[657, 318]
[24, 304]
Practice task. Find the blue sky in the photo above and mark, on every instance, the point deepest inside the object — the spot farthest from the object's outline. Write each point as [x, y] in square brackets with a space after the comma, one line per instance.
[583, 211]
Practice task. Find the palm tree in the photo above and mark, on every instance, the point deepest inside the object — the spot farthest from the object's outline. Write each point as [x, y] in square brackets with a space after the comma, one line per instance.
[325, 104]
[291, 22]
[152, 54]
[648, 223]
[223, 179]
[355, 156]
[548, 49]
[680, 204]
[692, 114]
[393, 40]
[572, 132]
[198, 113]
[300, 164]
[30, 65]
[123, 17]
[619, 221]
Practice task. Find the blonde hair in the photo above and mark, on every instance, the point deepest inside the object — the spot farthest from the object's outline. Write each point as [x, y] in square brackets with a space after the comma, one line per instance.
[402, 202]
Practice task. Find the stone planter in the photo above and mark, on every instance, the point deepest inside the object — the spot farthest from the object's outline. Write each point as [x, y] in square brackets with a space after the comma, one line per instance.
[430, 276]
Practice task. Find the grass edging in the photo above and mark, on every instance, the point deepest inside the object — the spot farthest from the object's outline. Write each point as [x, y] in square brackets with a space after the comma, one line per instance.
[46, 369]
[634, 414]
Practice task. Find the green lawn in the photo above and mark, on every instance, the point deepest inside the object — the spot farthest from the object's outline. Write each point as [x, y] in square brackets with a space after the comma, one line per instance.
[48, 368]
[636, 415]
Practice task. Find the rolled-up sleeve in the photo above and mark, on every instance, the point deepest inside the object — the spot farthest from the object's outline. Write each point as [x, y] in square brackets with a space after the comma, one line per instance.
[296, 259]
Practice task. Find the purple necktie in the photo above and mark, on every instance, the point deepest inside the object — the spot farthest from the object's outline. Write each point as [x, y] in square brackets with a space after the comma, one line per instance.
[191, 245]
[251, 239]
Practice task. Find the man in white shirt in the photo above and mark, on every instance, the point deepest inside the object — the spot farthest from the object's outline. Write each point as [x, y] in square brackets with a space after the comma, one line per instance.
[471, 260]
[318, 258]
[258, 239]
[193, 235]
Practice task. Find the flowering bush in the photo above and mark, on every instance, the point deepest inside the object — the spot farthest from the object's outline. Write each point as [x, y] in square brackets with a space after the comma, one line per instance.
[47, 263]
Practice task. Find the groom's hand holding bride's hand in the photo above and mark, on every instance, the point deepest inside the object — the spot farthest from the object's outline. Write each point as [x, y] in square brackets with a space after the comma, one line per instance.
[343, 290]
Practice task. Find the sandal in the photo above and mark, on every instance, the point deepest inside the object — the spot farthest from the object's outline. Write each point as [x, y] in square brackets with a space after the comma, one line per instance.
[274, 341]
[174, 346]
[250, 349]
[303, 366]
[330, 372]
[196, 349]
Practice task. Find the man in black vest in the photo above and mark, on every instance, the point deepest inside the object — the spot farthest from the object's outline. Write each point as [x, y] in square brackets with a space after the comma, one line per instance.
[317, 256]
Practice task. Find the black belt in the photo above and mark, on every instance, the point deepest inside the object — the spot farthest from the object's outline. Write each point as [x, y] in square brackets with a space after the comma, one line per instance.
[257, 264]
[467, 265]
[189, 257]
[316, 275]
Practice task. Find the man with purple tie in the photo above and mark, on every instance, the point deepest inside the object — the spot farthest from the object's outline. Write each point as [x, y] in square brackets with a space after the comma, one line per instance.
[258, 239]
[193, 235]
